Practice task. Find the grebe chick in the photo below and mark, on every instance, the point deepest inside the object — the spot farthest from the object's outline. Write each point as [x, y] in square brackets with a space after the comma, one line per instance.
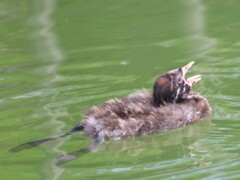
[170, 105]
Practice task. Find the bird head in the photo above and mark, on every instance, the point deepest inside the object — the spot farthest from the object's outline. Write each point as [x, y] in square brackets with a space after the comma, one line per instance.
[173, 87]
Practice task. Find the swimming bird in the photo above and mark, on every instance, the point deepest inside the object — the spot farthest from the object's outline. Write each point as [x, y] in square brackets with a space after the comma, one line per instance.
[169, 105]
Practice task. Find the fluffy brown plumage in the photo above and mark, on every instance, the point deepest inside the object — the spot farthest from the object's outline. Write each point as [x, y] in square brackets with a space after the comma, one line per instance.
[135, 115]
[169, 106]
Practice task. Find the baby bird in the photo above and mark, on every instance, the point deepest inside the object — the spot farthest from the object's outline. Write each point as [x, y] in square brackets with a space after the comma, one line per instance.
[168, 106]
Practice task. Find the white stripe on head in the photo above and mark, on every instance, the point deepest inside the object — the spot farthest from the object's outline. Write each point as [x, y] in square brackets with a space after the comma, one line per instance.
[177, 94]
[184, 89]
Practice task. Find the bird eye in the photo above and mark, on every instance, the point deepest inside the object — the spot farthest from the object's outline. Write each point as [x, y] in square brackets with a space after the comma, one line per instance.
[179, 79]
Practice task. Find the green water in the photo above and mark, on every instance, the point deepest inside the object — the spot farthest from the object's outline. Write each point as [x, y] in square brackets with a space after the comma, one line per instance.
[58, 58]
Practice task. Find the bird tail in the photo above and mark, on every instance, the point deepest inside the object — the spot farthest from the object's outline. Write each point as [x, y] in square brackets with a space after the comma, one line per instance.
[31, 144]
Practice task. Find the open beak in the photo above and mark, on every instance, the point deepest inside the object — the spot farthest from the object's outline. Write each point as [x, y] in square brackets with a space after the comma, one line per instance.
[192, 80]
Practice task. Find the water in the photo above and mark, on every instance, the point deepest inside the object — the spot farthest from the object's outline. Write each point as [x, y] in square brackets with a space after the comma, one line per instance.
[58, 58]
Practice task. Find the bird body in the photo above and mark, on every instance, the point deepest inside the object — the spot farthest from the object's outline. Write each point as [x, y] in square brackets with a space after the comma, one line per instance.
[135, 115]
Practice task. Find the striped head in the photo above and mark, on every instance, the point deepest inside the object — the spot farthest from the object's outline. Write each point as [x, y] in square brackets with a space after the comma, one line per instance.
[172, 86]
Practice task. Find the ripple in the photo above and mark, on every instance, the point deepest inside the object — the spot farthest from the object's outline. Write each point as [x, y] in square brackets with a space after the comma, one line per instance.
[86, 98]
[106, 78]
[90, 65]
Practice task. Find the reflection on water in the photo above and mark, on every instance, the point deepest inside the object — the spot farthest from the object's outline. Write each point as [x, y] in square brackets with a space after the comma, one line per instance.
[48, 49]
[195, 25]
[45, 39]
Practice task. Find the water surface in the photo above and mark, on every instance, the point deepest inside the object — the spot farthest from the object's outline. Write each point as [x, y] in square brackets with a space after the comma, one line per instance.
[58, 58]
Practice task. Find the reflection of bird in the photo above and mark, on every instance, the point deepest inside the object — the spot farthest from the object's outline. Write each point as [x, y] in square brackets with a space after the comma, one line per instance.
[169, 106]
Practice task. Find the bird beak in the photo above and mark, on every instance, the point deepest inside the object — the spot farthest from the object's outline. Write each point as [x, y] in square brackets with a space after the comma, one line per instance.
[192, 80]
